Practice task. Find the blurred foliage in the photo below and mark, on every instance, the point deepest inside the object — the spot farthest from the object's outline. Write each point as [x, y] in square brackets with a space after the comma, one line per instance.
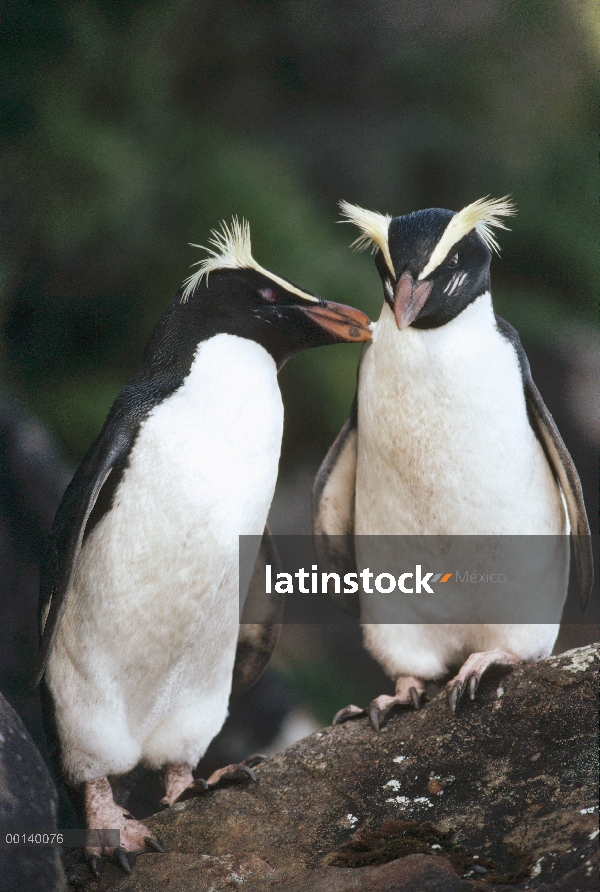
[323, 684]
[130, 129]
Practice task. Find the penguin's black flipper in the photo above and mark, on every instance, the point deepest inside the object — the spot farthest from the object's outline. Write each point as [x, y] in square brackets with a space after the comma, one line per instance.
[257, 641]
[562, 465]
[333, 508]
[567, 475]
[72, 521]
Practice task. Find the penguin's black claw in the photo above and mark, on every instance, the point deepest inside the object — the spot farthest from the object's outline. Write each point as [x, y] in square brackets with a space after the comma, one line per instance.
[473, 685]
[120, 857]
[375, 715]
[347, 713]
[154, 845]
[454, 696]
[95, 864]
[253, 760]
[251, 774]
[415, 697]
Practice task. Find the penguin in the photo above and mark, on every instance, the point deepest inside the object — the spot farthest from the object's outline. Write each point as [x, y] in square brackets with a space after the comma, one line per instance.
[447, 436]
[139, 602]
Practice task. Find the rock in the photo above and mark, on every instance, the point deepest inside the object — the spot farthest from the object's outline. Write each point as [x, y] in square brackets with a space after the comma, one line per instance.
[28, 805]
[189, 873]
[502, 794]
[414, 873]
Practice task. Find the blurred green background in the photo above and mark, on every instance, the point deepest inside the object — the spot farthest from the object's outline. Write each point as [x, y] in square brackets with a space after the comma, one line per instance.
[131, 129]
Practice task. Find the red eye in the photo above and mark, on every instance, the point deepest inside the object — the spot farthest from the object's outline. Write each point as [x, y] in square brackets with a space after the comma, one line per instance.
[268, 294]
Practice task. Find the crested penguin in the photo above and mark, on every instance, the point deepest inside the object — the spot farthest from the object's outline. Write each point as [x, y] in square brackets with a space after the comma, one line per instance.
[448, 436]
[139, 605]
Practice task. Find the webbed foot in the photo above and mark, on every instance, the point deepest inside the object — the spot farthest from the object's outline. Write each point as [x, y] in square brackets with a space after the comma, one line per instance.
[240, 772]
[471, 672]
[409, 692]
[347, 713]
[102, 812]
[181, 785]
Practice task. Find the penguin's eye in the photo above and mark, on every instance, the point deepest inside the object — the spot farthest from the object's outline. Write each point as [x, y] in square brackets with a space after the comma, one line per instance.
[453, 261]
[268, 294]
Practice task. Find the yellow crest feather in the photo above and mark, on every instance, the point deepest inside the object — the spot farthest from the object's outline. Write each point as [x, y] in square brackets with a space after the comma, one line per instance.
[232, 250]
[374, 228]
[481, 215]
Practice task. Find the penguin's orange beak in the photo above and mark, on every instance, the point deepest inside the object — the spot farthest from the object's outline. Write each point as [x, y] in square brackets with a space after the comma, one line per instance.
[345, 323]
[409, 299]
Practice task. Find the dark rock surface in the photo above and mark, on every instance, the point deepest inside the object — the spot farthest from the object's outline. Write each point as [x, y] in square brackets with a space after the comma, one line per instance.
[503, 795]
[28, 805]
[33, 477]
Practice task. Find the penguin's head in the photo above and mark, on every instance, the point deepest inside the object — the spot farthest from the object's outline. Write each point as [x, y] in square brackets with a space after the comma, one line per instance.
[432, 263]
[232, 294]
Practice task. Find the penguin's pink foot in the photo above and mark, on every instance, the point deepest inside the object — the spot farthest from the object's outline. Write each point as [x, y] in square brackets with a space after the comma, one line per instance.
[103, 813]
[347, 713]
[471, 672]
[240, 772]
[409, 692]
[181, 785]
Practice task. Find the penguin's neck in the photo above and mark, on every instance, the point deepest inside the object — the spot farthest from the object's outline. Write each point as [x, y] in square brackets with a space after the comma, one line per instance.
[432, 345]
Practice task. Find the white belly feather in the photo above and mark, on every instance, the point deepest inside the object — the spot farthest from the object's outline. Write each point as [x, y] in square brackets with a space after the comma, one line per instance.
[141, 669]
[445, 447]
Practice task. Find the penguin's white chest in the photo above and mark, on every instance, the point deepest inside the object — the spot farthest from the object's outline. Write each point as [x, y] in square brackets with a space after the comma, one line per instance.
[154, 604]
[210, 452]
[444, 441]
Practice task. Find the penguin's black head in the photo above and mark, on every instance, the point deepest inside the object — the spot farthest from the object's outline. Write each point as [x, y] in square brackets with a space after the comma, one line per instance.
[432, 263]
[274, 313]
[433, 300]
[232, 294]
